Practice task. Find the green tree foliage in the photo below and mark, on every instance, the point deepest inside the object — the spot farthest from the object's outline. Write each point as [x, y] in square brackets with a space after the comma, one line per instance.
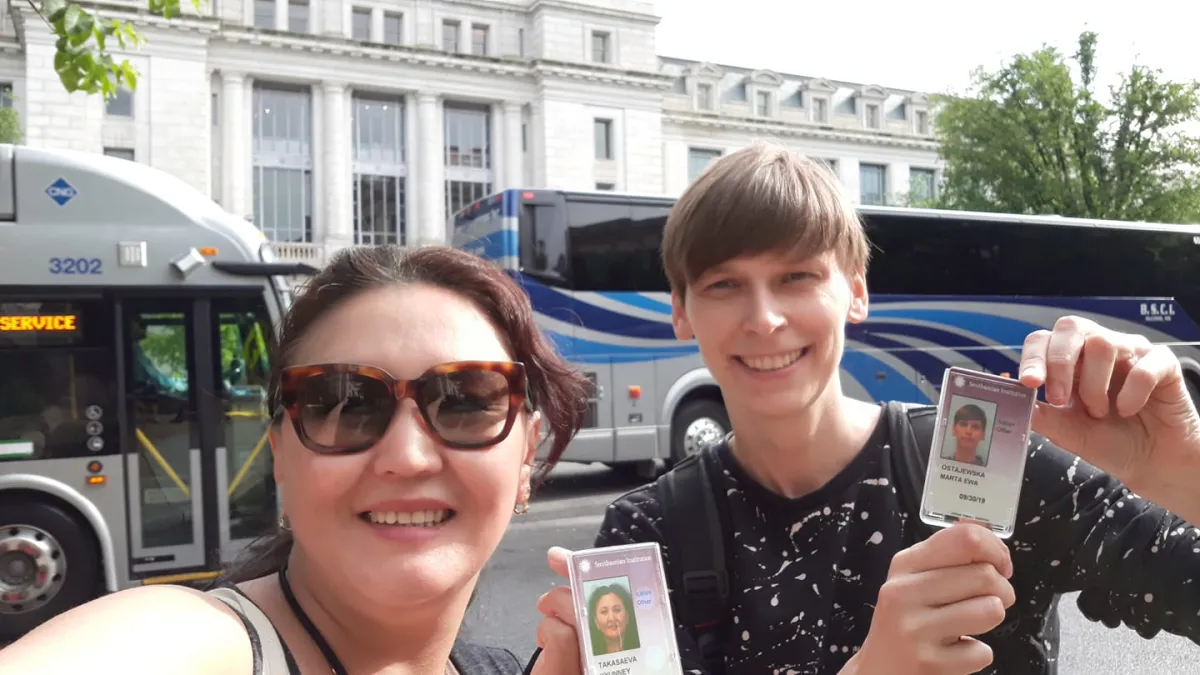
[84, 61]
[1035, 138]
[10, 126]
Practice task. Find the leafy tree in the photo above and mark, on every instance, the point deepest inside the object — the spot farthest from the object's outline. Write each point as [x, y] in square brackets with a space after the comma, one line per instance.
[1033, 138]
[10, 126]
[83, 60]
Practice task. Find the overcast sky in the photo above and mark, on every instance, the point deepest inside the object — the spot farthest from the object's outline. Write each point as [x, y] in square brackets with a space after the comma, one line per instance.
[926, 45]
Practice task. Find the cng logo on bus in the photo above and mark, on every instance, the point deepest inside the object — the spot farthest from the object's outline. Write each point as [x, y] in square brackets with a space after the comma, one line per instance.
[61, 191]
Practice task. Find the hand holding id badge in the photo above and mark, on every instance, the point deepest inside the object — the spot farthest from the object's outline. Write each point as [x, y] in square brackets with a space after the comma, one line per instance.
[977, 462]
[622, 611]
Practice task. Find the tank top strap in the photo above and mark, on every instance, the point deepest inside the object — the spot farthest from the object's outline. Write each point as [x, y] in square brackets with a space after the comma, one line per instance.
[271, 655]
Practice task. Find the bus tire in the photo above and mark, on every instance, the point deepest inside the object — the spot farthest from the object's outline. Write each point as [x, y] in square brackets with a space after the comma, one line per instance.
[62, 537]
[1193, 389]
[698, 423]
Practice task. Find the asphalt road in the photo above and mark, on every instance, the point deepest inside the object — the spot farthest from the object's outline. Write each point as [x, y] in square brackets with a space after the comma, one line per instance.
[567, 513]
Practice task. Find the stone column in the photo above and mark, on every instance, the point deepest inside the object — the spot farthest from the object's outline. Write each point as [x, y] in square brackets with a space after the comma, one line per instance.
[514, 165]
[234, 151]
[432, 172]
[339, 222]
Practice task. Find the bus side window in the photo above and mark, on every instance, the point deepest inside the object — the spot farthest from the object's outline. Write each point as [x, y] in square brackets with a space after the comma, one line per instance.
[543, 244]
[616, 246]
[58, 393]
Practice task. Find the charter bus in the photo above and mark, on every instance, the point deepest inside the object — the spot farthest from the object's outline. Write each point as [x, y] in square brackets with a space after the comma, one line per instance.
[947, 289]
[134, 319]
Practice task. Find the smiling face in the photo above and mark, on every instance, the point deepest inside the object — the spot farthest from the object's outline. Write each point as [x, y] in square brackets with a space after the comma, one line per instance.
[611, 618]
[407, 520]
[771, 328]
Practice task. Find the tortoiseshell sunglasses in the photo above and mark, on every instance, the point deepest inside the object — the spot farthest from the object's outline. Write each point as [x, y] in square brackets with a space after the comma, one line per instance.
[339, 408]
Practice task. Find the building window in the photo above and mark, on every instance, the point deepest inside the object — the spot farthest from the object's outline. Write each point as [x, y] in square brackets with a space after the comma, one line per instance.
[479, 40]
[872, 116]
[120, 105]
[379, 171]
[282, 163]
[298, 16]
[606, 187]
[604, 139]
[872, 182]
[762, 104]
[601, 46]
[450, 36]
[468, 155]
[921, 185]
[393, 28]
[121, 153]
[698, 161]
[6, 95]
[360, 24]
[922, 122]
[521, 42]
[264, 14]
[704, 96]
[820, 110]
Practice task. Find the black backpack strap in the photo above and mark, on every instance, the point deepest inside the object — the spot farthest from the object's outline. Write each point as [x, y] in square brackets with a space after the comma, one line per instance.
[912, 428]
[694, 525]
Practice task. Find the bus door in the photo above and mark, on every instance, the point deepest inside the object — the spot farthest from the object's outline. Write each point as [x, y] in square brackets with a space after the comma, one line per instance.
[194, 391]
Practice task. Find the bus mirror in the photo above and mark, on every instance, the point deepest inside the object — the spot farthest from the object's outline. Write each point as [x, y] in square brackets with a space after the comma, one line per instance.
[188, 262]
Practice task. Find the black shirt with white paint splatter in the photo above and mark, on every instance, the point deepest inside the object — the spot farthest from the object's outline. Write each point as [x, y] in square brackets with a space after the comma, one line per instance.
[806, 572]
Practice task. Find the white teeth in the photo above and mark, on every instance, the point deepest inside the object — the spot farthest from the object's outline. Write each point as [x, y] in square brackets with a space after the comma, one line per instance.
[772, 362]
[413, 518]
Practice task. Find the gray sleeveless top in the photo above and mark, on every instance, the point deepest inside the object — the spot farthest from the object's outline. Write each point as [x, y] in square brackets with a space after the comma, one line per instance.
[272, 657]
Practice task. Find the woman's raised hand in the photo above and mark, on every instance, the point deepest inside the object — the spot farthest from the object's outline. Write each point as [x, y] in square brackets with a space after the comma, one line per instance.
[556, 631]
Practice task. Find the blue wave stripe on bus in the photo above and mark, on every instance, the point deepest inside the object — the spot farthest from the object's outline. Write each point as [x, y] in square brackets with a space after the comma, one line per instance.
[566, 308]
[589, 351]
[639, 301]
[982, 352]
[895, 386]
[1001, 330]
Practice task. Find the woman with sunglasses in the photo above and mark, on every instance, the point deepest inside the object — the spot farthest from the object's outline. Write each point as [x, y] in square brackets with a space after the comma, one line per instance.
[409, 391]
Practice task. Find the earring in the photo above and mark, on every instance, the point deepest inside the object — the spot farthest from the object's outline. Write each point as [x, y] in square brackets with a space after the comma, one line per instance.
[521, 508]
[284, 524]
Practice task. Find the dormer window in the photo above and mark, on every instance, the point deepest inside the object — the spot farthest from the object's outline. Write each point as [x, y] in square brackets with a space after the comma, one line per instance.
[762, 104]
[703, 80]
[762, 88]
[872, 98]
[819, 93]
[918, 107]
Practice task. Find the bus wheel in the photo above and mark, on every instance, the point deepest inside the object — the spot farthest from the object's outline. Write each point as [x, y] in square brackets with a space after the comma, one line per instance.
[1193, 389]
[38, 541]
[698, 423]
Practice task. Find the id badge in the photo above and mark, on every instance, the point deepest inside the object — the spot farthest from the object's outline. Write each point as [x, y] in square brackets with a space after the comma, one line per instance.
[622, 611]
[980, 442]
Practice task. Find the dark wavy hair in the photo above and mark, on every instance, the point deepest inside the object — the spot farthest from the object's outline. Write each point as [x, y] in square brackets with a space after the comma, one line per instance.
[631, 639]
[558, 391]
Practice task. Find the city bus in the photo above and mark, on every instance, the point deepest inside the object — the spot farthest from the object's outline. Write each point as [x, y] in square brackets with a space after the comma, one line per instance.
[135, 316]
[947, 289]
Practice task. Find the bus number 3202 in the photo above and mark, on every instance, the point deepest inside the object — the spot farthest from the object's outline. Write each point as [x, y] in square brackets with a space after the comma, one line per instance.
[76, 266]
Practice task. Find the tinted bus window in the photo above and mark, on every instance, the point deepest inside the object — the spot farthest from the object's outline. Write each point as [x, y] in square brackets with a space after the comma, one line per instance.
[967, 257]
[57, 379]
[616, 246]
[543, 244]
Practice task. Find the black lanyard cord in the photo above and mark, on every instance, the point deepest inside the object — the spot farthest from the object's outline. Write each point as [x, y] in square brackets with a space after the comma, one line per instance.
[335, 664]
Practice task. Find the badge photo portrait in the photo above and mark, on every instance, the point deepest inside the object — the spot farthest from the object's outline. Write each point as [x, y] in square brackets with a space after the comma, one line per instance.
[969, 428]
[611, 619]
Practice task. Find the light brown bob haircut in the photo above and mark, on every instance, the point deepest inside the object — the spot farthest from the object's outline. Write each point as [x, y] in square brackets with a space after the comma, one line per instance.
[761, 199]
